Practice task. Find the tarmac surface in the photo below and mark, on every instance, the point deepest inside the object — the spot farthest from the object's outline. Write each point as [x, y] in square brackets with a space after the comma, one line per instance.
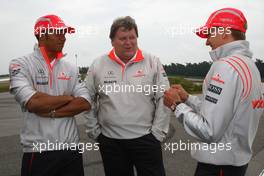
[178, 163]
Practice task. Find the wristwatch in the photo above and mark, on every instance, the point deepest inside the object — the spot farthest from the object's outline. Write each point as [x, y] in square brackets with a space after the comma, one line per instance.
[173, 107]
[53, 113]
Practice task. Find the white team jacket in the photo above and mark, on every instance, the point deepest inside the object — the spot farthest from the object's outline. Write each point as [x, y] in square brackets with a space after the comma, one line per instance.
[32, 73]
[129, 97]
[227, 117]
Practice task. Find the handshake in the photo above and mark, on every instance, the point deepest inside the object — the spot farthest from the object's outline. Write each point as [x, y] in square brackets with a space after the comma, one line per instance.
[174, 96]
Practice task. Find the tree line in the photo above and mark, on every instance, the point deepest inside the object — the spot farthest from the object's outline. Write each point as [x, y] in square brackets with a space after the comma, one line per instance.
[191, 69]
[200, 69]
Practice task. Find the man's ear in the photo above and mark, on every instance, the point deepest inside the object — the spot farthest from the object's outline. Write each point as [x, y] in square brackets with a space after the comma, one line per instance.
[226, 34]
[42, 40]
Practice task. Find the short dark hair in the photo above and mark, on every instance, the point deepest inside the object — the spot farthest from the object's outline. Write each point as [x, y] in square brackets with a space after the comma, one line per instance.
[238, 35]
[127, 22]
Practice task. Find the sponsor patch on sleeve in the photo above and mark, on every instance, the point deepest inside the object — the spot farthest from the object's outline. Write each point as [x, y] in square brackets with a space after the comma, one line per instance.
[211, 99]
[214, 89]
[15, 69]
[217, 78]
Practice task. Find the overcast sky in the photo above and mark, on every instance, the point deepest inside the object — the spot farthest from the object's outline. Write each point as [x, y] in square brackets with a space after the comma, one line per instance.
[165, 26]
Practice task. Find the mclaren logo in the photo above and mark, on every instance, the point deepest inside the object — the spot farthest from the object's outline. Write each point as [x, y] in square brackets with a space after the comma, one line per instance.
[218, 79]
[139, 73]
[64, 76]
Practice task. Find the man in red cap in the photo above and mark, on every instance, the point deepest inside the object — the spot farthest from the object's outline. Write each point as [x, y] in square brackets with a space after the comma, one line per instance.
[48, 90]
[225, 120]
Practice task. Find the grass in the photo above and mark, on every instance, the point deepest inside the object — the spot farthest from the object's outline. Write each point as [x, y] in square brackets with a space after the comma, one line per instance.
[4, 86]
[189, 86]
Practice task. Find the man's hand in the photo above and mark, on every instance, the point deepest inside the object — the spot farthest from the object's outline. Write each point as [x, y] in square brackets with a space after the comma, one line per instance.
[171, 98]
[181, 92]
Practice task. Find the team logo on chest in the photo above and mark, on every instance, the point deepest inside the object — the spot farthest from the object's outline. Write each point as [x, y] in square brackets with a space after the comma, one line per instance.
[64, 76]
[41, 77]
[109, 74]
[139, 73]
[110, 77]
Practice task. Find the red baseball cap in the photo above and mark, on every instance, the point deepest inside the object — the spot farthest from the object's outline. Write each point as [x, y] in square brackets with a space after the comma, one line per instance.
[226, 17]
[51, 22]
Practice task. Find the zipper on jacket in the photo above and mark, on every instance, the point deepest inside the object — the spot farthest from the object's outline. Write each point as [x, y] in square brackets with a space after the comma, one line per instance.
[46, 58]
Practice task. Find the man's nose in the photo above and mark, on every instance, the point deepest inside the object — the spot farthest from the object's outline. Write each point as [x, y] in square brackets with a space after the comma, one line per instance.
[127, 42]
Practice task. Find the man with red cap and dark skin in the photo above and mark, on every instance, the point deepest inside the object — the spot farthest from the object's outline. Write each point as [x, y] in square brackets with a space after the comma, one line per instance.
[226, 118]
[50, 94]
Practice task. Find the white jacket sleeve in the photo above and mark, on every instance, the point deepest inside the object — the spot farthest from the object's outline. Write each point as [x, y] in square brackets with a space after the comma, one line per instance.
[21, 83]
[194, 102]
[161, 120]
[217, 105]
[93, 128]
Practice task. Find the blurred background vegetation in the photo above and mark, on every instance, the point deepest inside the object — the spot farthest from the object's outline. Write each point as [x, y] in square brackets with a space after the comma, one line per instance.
[4, 86]
[190, 75]
[192, 87]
